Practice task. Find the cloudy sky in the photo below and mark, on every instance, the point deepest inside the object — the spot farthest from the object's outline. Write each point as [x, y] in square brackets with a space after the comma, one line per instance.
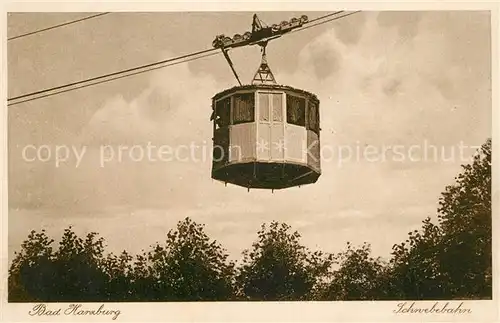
[384, 79]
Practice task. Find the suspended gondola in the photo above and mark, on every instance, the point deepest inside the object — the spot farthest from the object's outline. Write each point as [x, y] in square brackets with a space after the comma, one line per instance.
[265, 135]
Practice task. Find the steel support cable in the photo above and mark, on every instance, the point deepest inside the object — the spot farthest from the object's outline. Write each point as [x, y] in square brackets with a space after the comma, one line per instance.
[147, 67]
[324, 21]
[110, 74]
[112, 78]
[58, 26]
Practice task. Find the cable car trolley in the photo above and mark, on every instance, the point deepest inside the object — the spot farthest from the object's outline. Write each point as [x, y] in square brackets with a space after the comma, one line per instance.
[265, 135]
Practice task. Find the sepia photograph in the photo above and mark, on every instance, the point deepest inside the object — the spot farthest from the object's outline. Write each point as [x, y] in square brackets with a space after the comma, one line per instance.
[312, 157]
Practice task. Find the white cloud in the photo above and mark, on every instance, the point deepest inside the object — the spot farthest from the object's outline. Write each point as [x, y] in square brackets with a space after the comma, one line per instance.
[176, 105]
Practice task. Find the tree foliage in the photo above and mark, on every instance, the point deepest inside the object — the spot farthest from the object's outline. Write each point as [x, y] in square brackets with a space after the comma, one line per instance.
[358, 276]
[72, 272]
[278, 267]
[30, 273]
[189, 266]
[453, 258]
[465, 220]
[415, 265]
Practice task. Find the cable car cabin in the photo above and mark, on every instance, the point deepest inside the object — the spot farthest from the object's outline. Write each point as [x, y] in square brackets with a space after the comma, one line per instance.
[266, 136]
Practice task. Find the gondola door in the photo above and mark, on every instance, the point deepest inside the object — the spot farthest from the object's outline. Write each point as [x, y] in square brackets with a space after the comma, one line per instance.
[271, 131]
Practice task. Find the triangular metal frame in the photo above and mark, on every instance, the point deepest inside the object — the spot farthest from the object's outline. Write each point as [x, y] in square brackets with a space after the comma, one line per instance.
[264, 74]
